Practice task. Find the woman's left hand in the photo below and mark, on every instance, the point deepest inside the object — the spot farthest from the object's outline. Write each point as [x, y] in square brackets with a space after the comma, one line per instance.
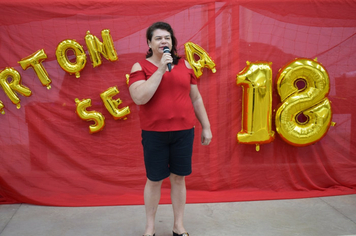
[206, 136]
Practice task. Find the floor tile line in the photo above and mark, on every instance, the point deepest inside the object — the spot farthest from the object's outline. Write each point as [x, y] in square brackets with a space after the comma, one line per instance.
[2, 230]
[338, 211]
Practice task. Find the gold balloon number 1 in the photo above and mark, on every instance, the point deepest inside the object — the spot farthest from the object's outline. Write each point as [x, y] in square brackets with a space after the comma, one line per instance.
[304, 115]
[256, 81]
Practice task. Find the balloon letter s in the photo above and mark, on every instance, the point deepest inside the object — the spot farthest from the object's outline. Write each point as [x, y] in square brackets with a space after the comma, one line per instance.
[95, 116]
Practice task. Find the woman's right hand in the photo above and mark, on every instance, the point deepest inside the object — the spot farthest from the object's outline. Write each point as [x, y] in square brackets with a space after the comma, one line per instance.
[165, 59]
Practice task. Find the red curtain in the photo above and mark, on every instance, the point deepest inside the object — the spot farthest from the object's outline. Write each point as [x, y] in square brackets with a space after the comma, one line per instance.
[48, 156]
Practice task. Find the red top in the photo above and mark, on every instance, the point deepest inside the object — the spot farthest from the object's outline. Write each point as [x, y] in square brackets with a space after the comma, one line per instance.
[170, 108]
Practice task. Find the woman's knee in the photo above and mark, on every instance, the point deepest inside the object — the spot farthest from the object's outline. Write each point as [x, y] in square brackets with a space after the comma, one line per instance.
[154, 184]
[177, 179]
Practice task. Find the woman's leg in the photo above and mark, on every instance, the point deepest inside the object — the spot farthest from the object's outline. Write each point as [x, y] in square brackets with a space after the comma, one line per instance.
[152, 195]
[178, 197]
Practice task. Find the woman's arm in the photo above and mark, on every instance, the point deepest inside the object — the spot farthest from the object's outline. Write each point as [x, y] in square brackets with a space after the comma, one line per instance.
[201, 114]
[143, 90]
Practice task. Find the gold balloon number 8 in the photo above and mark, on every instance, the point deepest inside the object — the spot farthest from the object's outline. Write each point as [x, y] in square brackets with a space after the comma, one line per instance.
[304, 115]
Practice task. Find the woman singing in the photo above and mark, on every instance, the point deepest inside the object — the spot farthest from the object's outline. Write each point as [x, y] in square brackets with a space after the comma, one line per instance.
[169, 104]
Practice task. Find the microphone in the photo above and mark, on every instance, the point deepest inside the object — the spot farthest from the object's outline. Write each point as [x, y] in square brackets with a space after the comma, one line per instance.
[166, 50]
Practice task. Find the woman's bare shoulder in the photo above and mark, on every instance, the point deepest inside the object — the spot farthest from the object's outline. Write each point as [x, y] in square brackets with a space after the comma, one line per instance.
[187, 64]
[136, 67]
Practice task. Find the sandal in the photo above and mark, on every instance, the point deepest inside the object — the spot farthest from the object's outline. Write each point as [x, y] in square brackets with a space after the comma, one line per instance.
[183, 234]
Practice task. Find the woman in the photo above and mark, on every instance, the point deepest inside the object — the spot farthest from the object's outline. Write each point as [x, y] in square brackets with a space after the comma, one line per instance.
[168, 101]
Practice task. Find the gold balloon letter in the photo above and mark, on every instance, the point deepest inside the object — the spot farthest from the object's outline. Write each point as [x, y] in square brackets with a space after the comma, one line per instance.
[14, 85]
[192, 49]
[112, 105]
[127, 79]
[95, 116]
[65, 63]
[304, 116]
[256, 81]
[2, 108]
[35, 61]
[95, 47]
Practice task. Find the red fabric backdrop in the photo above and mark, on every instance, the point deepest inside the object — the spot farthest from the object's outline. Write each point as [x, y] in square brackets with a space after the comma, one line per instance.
[48, 157]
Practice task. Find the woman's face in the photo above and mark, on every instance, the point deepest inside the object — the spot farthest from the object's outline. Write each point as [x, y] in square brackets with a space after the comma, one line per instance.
[160, 39]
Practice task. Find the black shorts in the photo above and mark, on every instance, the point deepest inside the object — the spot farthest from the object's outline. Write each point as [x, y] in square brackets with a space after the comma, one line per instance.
[167, 152]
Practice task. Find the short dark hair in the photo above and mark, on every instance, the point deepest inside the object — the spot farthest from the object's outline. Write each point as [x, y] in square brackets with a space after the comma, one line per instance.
[163, 26]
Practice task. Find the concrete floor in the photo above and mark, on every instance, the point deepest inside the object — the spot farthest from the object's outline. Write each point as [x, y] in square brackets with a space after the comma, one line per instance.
[313, 216]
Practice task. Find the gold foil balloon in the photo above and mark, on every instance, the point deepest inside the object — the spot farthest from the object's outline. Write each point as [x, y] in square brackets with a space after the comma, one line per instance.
[10, 87]
[256, 82]
[192, 49]
[112, 105]
[304, 116]
[95, 116]
[64, 61]
[35, 61]
[2, 107]
[127, 79]
[95, 47]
